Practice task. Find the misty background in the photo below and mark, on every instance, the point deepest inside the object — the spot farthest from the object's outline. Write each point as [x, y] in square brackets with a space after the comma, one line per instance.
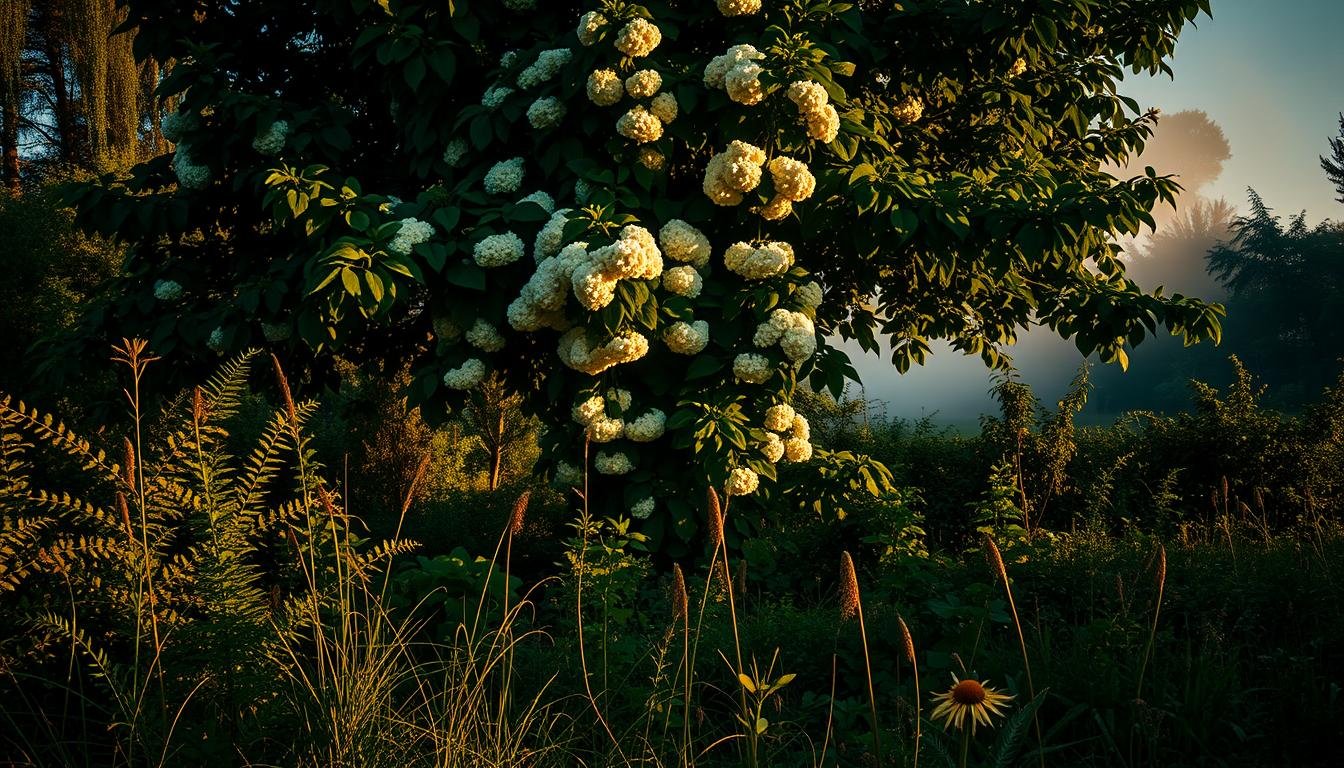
[1254, 101]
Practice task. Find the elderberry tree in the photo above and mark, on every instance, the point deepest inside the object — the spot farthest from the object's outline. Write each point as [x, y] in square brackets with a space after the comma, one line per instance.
[648, 218]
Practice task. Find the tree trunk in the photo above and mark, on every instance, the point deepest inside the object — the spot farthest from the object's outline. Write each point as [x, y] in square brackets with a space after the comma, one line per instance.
[497, 452]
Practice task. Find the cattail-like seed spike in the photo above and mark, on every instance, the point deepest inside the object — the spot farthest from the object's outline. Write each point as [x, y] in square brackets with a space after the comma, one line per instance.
[680, 601]
[715, 518]
[996, 559]
[129, 461]
[519, 515]
[1161, 567]
[1225, 493]
[198, 406]
[285, 393]
[907, 641]
[125, 514]
[849, 588]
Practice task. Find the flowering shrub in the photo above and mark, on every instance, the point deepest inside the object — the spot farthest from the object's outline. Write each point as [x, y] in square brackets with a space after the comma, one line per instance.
[708, 192]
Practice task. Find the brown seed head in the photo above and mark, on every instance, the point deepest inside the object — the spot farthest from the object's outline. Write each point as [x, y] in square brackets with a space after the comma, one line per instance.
[198, 406]
[1161, 566]
[995, 558]
[129, 463]
[907, 641]
[968, 692]
[680, 601]
[125, 510]
[285, 393]
[1225, 494]
[849, 588]
[715, 518]
[519, 515]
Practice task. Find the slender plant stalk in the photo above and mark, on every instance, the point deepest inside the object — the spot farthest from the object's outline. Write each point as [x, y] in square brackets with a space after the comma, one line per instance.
[996, 559]
[851, 605]
[909, 642]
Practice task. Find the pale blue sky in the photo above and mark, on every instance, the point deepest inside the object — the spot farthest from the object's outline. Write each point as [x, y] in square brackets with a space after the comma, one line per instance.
[1271, 73]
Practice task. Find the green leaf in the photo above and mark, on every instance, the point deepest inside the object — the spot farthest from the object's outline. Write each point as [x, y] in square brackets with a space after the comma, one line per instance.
[466, 275]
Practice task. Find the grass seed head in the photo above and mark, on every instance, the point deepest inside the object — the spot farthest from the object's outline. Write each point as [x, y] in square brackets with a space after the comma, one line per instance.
[849, 588]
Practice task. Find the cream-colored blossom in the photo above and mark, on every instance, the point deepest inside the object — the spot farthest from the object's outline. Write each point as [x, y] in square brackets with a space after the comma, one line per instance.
[639, 125]
[752, 368]
[791, 178]
[546, 112]
[648, 427]
[652, 159]
[577, 352]
[739, 7]
[683, 281]
[718, 67]
[498, 250]
[642, 509]
[485, 337]
[546, 66]
[732, 172]
[591, 408]
[808, 95]
[685, 338]
[590, 24]
[683, 242]
[638, 38]
[800, 428]
[605, 87]
[455, 152]
[809, 295]
[824, 124]
[664, 107]
[797, 449]
[759, 262]
[505, 177]
[909, 110]
[779, 418]
[743, 83]
[614, 463]
[273, 139]
[772, 448]
[466, 375]
[742, 482]
[644, 83]
[411, 233]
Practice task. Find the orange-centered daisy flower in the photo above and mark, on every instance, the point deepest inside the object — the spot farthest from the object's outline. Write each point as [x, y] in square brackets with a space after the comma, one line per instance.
[969, 697]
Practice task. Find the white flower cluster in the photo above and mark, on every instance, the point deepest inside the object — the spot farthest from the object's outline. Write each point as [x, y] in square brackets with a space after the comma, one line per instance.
[498, 250]
[683, 281]
[664, 107]
[189, 174]
[484, 337]
[590, 24]
[759, 262]
[495, 96]
[796, 446]
[823, 122]
[275, 332]
[541, 198]
[605, 87]
[168, 290]
[640, 125]
[175, 125]
[638, 38]
[909, 110]
[466, 375]
[687, 338]
[550, 238]
[599, 427]
[455, 152]
[614, 463]
[641, 509]
[738, 73]
[411, 233]
[644, 83]
[773, 448]
[567, 474]
[732, 172]
[648, 427]
[509, 58]
[216, 341]
[792, 331]
[504, 177]
[739, 7]
[576, 352]
[546, 112]
[273, 140]
[541, 302]
[634, 255]
[752, 368]
[546, 66]
[742, 482]
[683, 242]
[1019, 66]
[793, 183]
[809, 295]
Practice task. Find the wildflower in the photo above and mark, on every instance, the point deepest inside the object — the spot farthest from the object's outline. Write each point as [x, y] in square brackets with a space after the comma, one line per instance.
[498, 250]
[545, 113]
[590, 24]
[168, 290]
[484, 337]
[466, 375]
[739, 7]
[495, 96]
[640, 126]
[411, 233]
[641, 509]
[683, 281]
[687, 338]
[742, 482]
[605, 87]
[683, 242]
[505, 177]
[968, 697]
[638, 38]
[752, 368]
[273, 139]
[455, 152]
[643, 83]
[615, 463]
[648, 427]
[664, 107]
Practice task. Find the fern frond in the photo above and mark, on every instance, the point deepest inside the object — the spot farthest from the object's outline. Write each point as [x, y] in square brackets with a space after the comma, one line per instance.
[225, 390]
[16, 414]
[1010, 738]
